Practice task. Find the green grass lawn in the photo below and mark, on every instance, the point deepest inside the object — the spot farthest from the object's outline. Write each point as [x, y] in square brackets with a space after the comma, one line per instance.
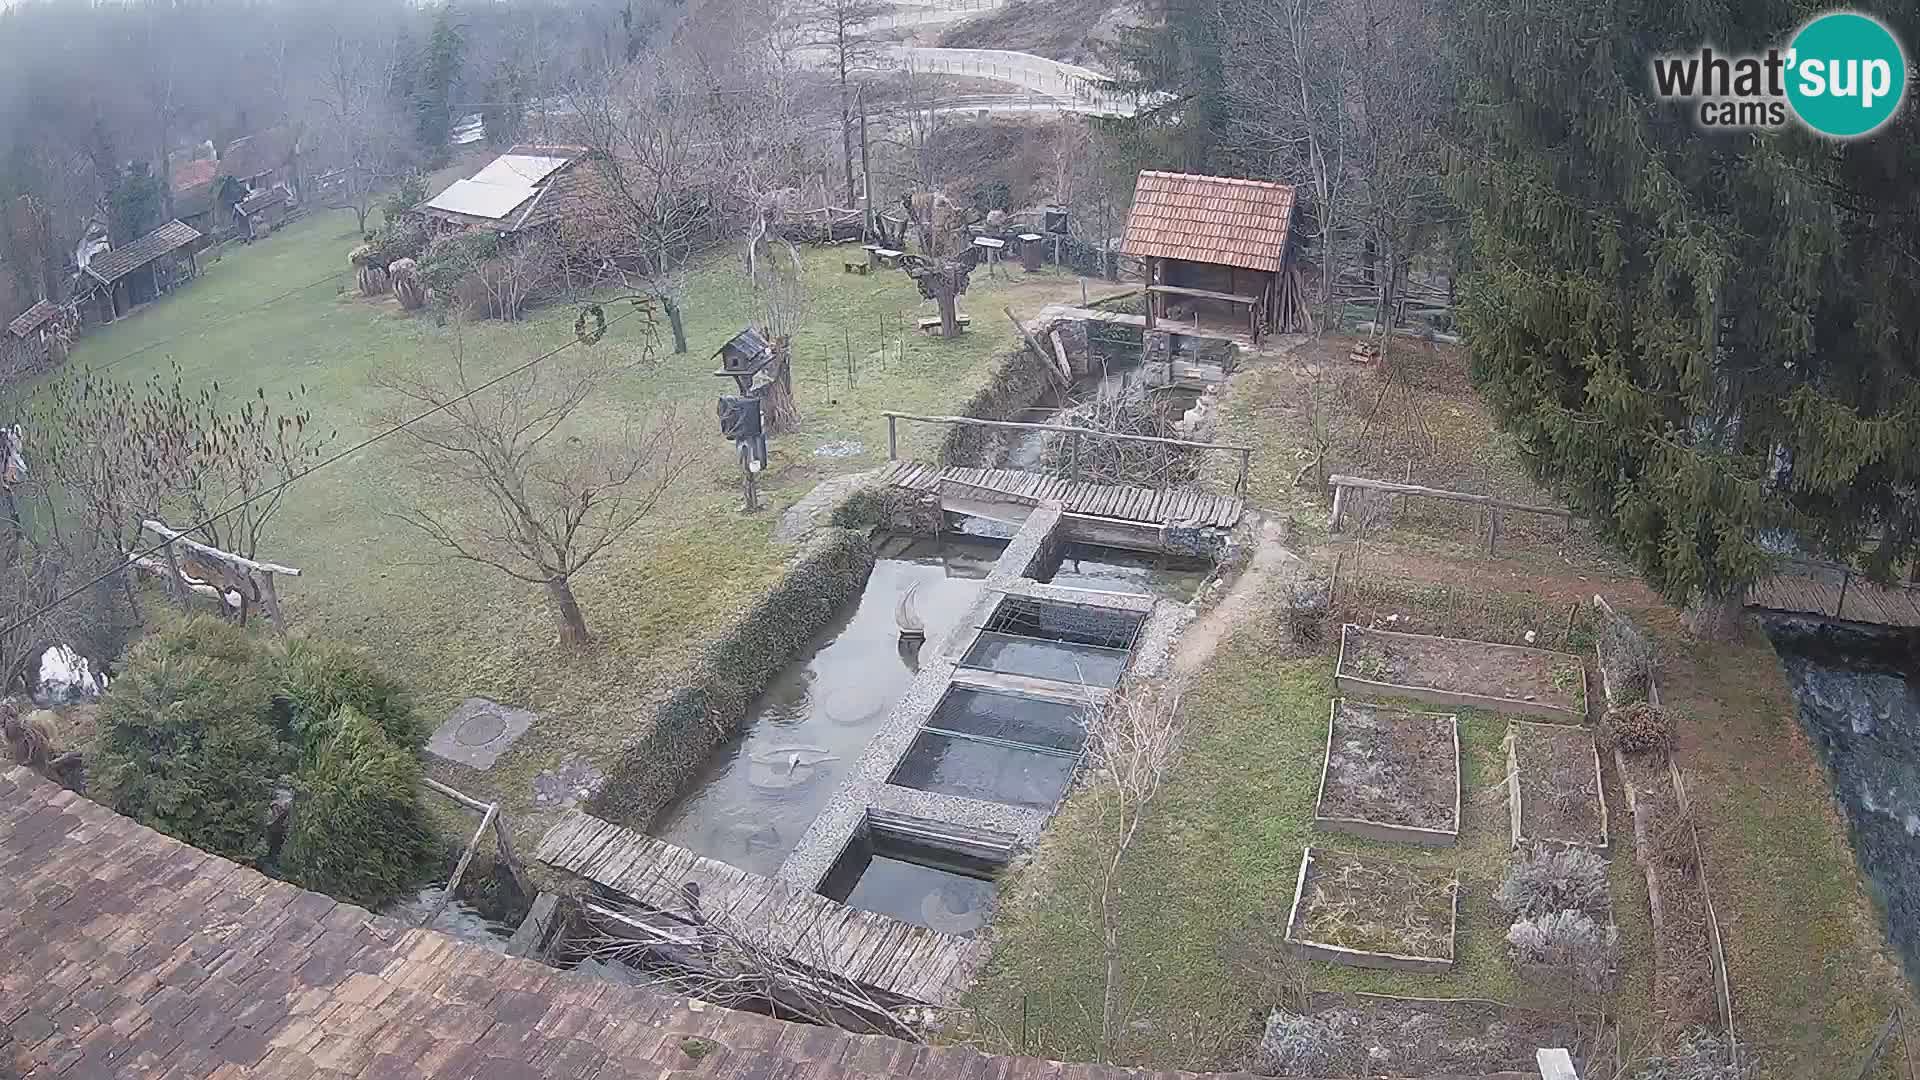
[1205, 892]
[269, 315]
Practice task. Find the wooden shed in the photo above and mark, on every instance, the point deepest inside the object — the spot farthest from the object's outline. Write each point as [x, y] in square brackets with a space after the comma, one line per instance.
[127, 276]
[1222, 245]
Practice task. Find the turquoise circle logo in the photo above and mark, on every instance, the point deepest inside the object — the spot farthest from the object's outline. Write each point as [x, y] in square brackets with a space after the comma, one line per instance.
[1846, 75]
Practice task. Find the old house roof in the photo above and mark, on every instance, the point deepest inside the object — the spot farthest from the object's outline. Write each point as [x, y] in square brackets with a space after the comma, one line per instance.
[110, 266]
[260, 200]
[507, 193]
[33, 318]
[130, 954]
[188, 175]
[1210, 219]
[251, 155]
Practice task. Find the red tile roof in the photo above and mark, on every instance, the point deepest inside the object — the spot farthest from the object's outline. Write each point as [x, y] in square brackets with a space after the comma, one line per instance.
[188, 175]
[1210, 219]
[129, 954]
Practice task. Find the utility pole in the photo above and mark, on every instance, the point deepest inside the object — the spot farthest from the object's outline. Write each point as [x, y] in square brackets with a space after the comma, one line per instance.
[866, 174]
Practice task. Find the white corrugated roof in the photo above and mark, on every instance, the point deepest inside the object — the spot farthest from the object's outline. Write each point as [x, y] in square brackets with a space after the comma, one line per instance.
[518, 170]
[475, 199]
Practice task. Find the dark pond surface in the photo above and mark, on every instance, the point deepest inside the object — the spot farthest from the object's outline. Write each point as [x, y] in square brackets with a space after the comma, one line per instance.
[1858, 704]
[758, 794]
[913, 882]
[1084, 566]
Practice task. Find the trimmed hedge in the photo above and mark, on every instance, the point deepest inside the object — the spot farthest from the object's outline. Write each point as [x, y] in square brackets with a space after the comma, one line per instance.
[358, 831]
[1018, 382]
[716, 692]
[315, 680]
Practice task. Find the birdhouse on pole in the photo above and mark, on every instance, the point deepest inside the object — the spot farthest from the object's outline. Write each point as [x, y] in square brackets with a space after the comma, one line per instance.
[744, 355]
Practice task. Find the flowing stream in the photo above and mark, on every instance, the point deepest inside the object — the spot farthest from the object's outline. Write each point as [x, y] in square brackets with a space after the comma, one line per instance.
[1858, 703]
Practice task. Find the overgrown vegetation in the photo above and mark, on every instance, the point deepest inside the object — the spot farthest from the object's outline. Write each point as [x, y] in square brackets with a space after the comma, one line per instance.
[1567, 945]
[269, 755]
[1546, 878]
[1638, 728]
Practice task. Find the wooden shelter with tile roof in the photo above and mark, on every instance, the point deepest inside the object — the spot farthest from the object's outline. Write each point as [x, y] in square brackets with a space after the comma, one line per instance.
[1218, 244]
[142, 270]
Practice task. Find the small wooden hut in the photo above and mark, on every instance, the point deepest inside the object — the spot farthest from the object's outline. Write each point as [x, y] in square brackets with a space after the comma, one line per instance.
[124, 277]
[1220, 245]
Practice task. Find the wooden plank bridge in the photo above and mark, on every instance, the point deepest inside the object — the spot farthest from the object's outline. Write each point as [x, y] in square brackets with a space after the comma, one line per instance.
[907, 962]
[1837, 593]
[1183, 507]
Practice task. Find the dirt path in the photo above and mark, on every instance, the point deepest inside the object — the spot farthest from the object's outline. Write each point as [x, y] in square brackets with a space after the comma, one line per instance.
[1271, 562]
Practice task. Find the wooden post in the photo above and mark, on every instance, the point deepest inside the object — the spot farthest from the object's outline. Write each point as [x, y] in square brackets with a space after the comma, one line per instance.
[1493, 527]
[504, 845]
[270, 600]
[1339, 498]
[176, 584]
[1846, 576]
[1153, 298]
[1246, 464]
[460, 869]
[1073, 455]
[893, 438]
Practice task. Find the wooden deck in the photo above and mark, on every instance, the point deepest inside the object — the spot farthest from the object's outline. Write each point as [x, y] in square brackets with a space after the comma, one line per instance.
[1846, 597]
[1147, 506]
[909, 962]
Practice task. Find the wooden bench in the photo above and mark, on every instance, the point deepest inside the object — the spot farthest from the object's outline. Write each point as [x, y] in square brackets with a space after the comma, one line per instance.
[931, 324]
[1340, 484]
[1203, 294]
[879, 256]
[851, 267]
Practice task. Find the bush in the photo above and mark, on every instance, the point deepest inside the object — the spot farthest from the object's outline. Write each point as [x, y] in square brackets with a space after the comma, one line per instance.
[452, 257]
[1700, 1055]
[1569, 944]
[1547, 879]
[1627, 657]
[1320, 1044]
[185, 745]
[404, 239]
[1637, 728]
[399, 203]
[358, 832]
[315, 680]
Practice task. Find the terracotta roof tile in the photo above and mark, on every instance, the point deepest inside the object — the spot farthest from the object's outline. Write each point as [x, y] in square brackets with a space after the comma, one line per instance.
[202, 968]
[1213, 219]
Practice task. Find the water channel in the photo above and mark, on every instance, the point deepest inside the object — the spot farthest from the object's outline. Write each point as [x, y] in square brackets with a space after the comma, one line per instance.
[1857, 698]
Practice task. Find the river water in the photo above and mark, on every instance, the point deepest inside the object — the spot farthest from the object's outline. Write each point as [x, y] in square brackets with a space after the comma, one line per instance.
[1857, 699]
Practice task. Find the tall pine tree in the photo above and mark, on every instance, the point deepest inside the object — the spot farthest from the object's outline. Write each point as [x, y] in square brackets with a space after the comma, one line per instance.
[433, 93]
[1705, 341]
[1174, 64]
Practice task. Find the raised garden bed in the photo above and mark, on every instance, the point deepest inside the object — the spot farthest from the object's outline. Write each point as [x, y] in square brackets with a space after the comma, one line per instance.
[1390, 774]
[1374, 913]
[1554, 786]
[1455, 671]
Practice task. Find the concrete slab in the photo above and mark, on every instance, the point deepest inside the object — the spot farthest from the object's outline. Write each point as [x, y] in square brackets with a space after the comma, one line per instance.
[478, 732]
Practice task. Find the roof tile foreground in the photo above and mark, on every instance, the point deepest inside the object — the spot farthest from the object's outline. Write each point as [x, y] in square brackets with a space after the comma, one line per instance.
[1213, 219]
[124, 953]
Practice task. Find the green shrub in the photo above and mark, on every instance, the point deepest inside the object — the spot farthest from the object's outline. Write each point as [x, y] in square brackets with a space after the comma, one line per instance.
[403, 239]
[453, 257]
[358, 832]
[185, 745]
[398, 206]
[315, 680]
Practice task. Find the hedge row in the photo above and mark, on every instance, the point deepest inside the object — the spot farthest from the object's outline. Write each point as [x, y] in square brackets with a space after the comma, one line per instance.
[1019, 381]
[716, 691]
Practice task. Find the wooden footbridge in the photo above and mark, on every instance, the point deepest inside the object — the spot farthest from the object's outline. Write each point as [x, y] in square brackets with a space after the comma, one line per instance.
[1123, 505]
[1829, 591]
[906, 963]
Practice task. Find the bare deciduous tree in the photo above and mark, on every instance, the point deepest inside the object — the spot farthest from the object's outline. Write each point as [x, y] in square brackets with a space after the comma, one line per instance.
[539, 496]
[848, 33]
[355, 101]
[1131, 741]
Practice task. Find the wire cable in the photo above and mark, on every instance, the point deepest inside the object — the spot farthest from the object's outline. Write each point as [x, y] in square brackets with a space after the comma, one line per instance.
[333, 459]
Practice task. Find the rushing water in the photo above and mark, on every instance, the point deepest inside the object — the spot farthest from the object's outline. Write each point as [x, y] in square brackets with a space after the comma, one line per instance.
[758, 794]
[1858, 703]
[459, 920]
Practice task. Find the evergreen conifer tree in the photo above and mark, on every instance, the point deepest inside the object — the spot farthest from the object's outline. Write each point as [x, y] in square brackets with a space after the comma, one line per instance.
[1705, 341]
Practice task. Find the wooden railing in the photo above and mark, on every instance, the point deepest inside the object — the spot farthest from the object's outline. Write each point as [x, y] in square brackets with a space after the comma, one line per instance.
[893, 438]
[1494, 506]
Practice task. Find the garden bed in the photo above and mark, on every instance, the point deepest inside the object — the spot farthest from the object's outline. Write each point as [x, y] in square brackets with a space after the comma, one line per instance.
[1374, 913]
[1390, 774]
[1456, 671]
[1553, 779]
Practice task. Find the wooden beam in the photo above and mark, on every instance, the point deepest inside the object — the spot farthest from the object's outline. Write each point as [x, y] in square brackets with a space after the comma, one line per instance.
[1338, 482]
[972, 421]
[215, 553]
[460, 870]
